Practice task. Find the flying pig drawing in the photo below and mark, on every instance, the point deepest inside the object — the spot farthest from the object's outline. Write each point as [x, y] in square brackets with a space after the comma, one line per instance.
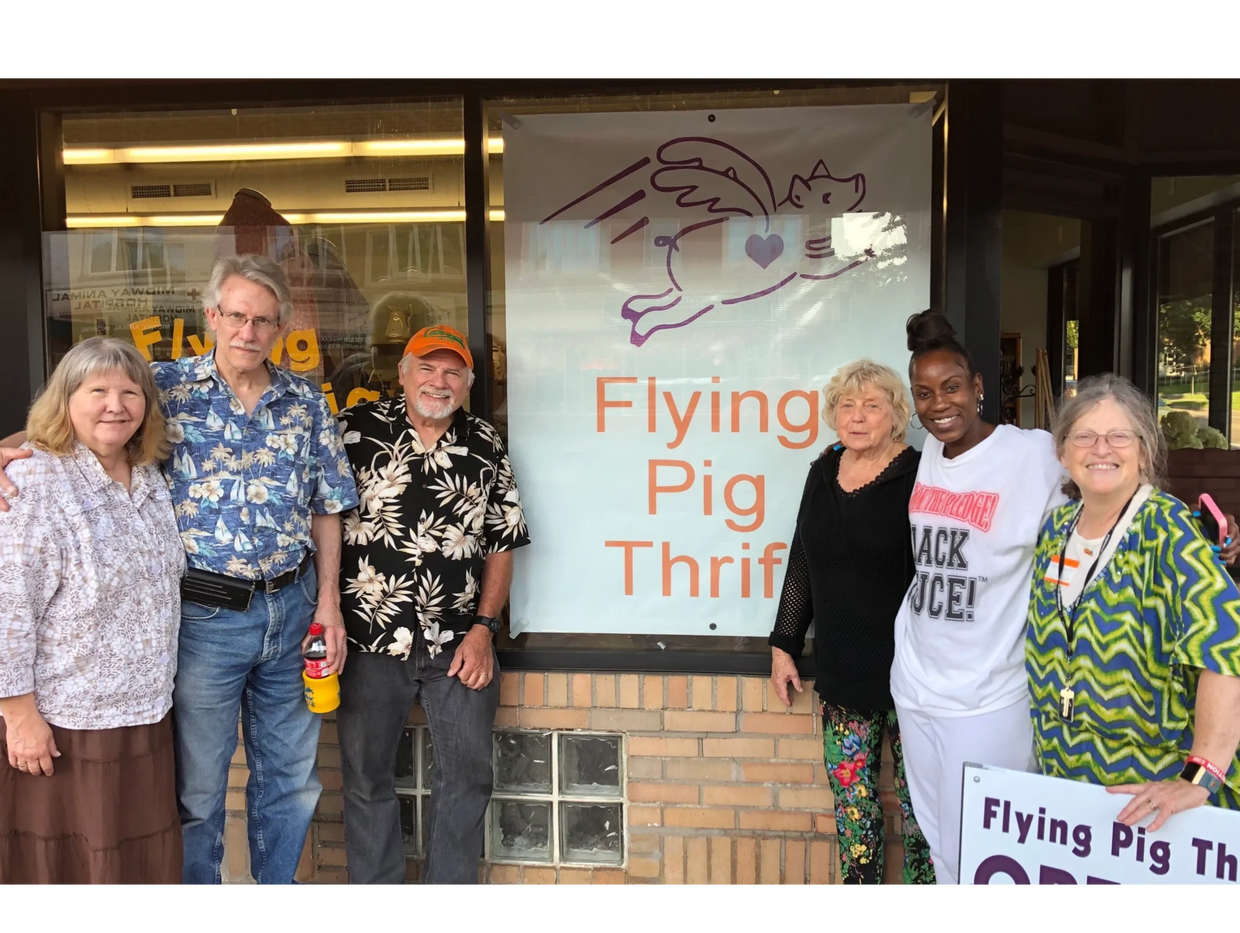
[719, 196]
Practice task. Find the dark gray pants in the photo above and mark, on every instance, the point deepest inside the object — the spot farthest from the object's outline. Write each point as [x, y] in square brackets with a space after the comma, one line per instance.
[377, 693]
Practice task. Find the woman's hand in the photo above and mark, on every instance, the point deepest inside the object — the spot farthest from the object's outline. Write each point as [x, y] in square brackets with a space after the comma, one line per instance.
[31, 745]
[1229, 551]
[784, 672]
[1167, 797]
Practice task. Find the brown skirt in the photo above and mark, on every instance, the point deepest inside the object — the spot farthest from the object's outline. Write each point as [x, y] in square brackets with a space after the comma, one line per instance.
[108, 815]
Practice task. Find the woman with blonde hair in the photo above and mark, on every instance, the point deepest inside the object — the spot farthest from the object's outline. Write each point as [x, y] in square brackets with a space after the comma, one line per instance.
[849, 567]
[90, 568]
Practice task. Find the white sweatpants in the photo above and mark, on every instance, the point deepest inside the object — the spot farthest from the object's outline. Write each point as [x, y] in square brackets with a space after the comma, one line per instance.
[935, 750]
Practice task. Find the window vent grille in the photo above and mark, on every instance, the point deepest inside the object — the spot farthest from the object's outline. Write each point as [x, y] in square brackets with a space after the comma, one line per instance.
[361, 185]
[150, 191]
[195, 190]
[414, 183]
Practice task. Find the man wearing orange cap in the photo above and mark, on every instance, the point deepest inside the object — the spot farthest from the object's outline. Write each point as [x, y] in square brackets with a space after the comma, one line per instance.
[425, 571]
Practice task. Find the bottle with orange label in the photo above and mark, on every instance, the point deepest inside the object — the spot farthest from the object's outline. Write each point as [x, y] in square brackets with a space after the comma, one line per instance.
[322, 690]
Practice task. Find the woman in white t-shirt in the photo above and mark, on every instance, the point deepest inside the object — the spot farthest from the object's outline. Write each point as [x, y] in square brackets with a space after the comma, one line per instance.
[958, 680]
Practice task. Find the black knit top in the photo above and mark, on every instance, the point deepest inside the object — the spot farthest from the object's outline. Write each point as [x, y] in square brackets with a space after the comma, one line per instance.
[849, 568]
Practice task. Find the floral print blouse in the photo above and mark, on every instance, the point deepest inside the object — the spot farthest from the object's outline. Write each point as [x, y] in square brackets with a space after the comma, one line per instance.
[415, 547]
[246, 485]
[90, 601]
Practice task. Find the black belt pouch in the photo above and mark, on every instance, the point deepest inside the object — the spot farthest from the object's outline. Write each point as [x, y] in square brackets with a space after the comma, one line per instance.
[214, 589]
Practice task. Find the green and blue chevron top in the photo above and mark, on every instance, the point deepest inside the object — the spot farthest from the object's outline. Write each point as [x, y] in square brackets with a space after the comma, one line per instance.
[1161, 611]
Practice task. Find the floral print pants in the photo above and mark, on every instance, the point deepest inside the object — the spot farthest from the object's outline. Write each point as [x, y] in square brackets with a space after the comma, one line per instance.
[853, 746]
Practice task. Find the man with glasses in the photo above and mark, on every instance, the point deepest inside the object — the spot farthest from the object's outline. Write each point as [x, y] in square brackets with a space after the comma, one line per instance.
[259, 478]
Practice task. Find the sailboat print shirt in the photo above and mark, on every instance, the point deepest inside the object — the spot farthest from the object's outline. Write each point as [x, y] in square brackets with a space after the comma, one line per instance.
[244, 487]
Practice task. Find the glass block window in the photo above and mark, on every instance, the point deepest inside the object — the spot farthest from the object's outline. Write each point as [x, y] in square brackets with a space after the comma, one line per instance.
[558, 798]
[413, 787]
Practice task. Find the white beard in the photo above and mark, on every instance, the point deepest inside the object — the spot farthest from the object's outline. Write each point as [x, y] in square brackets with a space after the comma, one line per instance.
[435, 409]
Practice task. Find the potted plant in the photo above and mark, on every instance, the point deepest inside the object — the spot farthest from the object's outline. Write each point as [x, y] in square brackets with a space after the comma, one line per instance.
[1199, 460]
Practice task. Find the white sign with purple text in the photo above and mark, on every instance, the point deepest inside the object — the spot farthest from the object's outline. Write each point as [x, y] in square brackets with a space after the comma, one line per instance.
[1019, 828]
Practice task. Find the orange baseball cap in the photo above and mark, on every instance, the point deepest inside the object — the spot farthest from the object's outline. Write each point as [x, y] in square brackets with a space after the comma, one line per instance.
[440, 337]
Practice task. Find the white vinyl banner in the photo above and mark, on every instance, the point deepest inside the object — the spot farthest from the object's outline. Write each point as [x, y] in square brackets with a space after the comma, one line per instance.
[1019, 828]
[679, 286]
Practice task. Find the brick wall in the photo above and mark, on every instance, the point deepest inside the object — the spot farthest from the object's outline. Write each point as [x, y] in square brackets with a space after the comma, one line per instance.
[724, 785]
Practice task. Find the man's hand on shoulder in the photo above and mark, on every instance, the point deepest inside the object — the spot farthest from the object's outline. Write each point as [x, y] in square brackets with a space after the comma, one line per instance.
[10, 451]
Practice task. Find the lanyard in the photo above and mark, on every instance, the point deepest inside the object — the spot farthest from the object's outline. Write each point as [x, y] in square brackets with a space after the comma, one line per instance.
[1069, 617]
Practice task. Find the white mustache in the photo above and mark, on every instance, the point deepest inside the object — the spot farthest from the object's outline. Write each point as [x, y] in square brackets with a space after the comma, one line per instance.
[245, 346]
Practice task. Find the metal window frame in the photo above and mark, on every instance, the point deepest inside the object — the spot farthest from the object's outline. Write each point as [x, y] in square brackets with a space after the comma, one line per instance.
[1224, 216]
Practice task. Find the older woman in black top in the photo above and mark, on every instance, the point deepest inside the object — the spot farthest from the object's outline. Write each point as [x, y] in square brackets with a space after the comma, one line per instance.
[848, 570]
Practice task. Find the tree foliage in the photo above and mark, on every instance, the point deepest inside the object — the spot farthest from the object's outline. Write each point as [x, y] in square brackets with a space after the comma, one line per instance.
[1183, 332]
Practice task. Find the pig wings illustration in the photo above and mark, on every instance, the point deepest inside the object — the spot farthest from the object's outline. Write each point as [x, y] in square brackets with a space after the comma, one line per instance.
[719, 195]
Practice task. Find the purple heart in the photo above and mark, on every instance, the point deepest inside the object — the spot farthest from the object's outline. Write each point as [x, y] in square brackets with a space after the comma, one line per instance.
[764, 250]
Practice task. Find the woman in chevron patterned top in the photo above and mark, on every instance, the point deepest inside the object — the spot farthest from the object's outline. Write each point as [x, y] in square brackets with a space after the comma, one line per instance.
[1134, 625]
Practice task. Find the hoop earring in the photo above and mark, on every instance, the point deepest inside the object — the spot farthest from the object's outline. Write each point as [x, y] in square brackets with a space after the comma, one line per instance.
[919, 426]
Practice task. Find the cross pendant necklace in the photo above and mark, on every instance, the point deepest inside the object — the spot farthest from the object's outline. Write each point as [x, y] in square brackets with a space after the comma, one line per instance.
[1067, 696]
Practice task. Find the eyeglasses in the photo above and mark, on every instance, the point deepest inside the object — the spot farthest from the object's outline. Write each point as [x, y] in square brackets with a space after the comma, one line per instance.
[1119, 439]
[236, 320]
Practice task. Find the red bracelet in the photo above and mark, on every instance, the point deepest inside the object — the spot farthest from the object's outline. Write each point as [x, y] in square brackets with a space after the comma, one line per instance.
[1213, 769]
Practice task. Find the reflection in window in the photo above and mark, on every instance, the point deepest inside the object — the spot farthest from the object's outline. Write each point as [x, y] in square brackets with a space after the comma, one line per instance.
[1185, 289]
[1071, 331]
[378, 256]
[355, 202]
[102, 252]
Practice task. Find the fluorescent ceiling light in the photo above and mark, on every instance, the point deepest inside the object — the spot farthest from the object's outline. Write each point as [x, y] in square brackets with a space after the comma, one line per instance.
[252, 152]
[426, 147]
[88, 156]
[79, 221]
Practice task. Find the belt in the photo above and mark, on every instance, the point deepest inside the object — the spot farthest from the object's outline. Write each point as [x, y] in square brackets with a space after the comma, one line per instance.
[289, 576]
[274, 585]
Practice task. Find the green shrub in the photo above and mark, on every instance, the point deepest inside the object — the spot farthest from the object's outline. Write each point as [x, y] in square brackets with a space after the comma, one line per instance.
[1180, 430]
[1212, 437]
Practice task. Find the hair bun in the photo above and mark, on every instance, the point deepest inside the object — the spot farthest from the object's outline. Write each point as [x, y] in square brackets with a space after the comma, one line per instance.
[928, 329]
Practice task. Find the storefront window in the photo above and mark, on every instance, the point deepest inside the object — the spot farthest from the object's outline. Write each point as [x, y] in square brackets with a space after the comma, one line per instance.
[587, 251]
[363, 206]
[1185, 290]
[1071, 330]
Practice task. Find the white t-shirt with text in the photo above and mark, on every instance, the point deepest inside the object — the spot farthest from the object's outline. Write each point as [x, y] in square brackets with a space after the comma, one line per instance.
[974, 519]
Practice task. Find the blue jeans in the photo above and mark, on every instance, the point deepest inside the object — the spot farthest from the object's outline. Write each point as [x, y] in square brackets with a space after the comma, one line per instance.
[246, 663]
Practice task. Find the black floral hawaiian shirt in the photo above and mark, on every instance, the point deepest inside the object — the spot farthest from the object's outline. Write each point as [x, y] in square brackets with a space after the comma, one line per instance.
[415, 547]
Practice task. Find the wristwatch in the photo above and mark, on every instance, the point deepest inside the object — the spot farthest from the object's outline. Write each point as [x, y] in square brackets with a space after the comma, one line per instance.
[1201, 772]
[492, 624]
